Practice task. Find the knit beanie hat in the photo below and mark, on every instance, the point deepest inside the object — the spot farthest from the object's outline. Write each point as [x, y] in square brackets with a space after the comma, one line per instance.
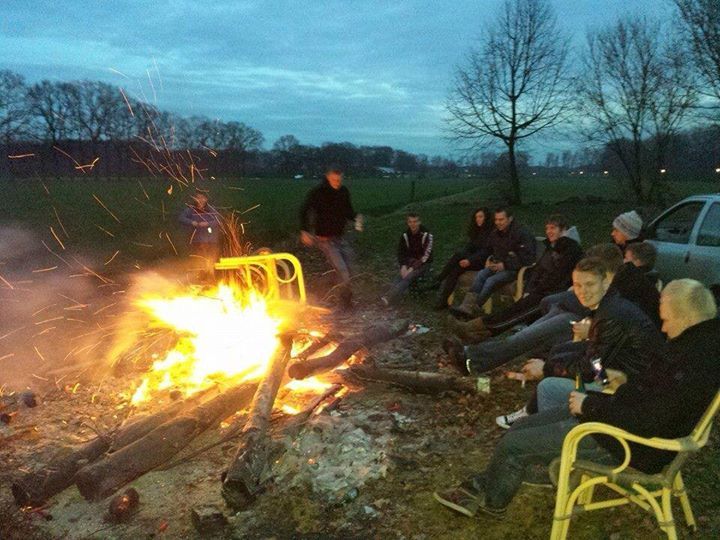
[630, 224]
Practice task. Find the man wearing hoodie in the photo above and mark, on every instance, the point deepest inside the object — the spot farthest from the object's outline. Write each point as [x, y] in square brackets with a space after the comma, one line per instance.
[414, 257]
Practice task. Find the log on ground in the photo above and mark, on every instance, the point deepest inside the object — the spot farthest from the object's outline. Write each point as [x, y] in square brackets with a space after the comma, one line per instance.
[418, 381]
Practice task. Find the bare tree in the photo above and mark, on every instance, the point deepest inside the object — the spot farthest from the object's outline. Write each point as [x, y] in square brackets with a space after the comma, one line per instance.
[701, 19]
[13, 106]
[637, 88]
[515, 85]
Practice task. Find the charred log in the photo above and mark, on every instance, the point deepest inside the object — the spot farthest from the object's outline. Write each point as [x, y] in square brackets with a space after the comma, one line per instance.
[418, 381]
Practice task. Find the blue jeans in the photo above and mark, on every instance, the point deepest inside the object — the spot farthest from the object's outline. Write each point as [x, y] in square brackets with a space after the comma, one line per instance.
[550, 329]
[553, 392]
[567, 301]
[339, 255]
[532, 441]
[487, 281]
[403, 284]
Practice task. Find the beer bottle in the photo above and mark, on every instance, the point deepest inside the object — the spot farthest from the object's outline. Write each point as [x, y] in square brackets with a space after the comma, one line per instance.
[579, 384]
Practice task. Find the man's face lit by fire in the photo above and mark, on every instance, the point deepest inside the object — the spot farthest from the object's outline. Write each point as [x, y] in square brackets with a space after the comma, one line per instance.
[590, 288]
[502, 221]
[200, 200]
[413, 224]
[553, 232]
[334, 179]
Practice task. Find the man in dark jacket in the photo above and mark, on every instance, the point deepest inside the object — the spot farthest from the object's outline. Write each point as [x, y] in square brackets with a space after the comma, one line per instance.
[414, 257]
[203, 222]
[329, 206]
[637, 279]
[551, 274]
[667, 400]
[511, 247]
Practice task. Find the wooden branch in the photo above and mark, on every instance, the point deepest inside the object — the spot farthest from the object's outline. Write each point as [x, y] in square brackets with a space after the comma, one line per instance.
[418, 381]
[106, 476]
[241, 482]
[370, 337]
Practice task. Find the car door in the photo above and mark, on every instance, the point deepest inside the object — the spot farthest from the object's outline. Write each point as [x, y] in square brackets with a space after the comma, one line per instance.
[672, 233]
[704, 258]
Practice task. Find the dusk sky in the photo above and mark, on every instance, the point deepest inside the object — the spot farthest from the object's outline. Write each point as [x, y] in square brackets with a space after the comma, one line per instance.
[367, 72]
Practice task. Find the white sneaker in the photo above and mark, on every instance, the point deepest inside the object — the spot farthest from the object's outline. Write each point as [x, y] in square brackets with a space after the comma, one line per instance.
[509, 419]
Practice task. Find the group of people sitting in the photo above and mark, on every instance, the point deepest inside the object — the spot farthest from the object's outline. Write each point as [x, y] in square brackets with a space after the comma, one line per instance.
[597, 349]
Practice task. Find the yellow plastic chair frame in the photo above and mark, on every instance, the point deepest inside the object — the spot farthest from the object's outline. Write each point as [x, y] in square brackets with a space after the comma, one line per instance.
[266, 268]
[652, 492]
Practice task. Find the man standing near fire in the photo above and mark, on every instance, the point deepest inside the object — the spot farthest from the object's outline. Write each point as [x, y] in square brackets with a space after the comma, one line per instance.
[204, 224]
[328, 207]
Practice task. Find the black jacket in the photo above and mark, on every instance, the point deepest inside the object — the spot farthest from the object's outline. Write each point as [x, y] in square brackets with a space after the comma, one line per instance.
[667, 400]
[620, 334]
[639, 285]
[553, 271]
[415, 249]
[515, 246]
[331, 209]
[476, 250]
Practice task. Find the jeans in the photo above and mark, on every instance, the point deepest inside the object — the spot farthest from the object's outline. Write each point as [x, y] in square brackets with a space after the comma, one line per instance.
[567, 301]
[534, 440]
[548, 330]
[339, 255]
[402, 284]
[487, 281]
[526, 310]
[553, 392]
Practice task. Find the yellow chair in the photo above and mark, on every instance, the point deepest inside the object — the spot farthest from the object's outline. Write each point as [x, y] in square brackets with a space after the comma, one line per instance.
[261, 271]
[576, 479]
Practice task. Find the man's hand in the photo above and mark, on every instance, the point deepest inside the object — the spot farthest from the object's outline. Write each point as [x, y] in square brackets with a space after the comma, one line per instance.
[499, 267]
[581, 329]
[306, 238]
[404, 271]
[359, 222]
[203, 224]
[576, 401]
[194, 224]
[533, 369]
[464, 263]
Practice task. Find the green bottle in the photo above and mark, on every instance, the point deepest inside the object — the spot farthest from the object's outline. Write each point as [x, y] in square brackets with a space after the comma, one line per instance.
[579, 384]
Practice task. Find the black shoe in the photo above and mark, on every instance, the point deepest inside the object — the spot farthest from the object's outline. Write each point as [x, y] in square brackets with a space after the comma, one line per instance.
[455, 351]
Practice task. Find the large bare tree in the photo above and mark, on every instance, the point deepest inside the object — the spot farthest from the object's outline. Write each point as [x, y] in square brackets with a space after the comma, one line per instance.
[702, 22]
[637, 88]
[514, 85]
[14, 115]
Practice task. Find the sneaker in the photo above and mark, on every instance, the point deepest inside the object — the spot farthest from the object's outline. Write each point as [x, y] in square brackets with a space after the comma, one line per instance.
[455, 351]
[509, 419]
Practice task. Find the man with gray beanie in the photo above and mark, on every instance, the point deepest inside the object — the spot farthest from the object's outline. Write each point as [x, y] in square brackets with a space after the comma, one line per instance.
[627, 228]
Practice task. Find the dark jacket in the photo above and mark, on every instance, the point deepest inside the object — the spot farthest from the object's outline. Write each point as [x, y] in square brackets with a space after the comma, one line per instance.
[202, 235]
[667, 400]
[639, 285]
[331, 209]
[620, 334]
[415, 249]
[476, 250]
[515, 246]
[553, 271]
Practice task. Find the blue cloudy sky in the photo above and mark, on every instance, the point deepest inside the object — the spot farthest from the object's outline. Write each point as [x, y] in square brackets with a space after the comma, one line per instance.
[367, 72]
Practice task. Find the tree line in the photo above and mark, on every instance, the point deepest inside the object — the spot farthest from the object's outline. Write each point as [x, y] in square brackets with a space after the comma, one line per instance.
[642, 86]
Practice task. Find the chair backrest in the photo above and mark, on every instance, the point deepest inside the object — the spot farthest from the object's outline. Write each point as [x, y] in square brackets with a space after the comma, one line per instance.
[702, 430]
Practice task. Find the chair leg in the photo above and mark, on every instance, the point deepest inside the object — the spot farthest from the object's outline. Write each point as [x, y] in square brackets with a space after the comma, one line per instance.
[680, 493]
[561, 516]
[587, 495]
[488, 306]
[669, 522]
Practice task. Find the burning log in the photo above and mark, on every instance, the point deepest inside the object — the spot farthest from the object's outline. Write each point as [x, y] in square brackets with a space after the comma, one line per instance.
[241, 482]
[36, 487]
[106, 476]
[372, 336]
[419, 381]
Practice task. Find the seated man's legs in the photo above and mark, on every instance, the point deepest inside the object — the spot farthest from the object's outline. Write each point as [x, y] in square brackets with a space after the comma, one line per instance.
[525, 310]
[402, 284]
[488, 281]
[553, 392]
[552, 300]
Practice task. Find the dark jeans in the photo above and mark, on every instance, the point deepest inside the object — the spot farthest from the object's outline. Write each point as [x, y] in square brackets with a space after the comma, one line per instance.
[339, 255]
[525, 310]
[451, 272]
[488, 281]
[532, 441]
[548, 330]
[565, 300]
[403, 284]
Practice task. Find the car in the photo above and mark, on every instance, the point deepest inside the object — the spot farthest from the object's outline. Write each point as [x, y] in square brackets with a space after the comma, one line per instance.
[687, 238]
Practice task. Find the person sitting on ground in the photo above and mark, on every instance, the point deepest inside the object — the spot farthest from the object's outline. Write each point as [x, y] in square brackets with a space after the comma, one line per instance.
[666, 401]
[414, 257]
[551, 329]
[552, 273]
[471, 257]
[204, 223]
[511, 247]
[627, 228]
[620, 337]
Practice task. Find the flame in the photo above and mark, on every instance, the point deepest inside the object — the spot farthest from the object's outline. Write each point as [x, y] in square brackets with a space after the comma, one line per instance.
[225, 334]
[311, 384]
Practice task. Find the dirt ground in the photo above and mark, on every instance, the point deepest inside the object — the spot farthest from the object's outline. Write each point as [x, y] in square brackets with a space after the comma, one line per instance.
[366, 468]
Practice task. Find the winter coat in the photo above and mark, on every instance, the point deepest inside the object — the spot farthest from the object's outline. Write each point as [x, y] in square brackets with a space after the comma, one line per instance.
[476, 250]
[553, 271]
[415, 249]
[202, 235]
[639, 285]
[667, 400]
[331, 209]
[514, 247]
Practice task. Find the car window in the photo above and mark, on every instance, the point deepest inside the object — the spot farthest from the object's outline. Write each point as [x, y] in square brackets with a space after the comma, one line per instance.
[709, 234]
[676, 226]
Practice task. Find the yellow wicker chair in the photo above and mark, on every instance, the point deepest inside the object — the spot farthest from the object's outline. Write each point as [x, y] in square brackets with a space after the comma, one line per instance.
[576, 479]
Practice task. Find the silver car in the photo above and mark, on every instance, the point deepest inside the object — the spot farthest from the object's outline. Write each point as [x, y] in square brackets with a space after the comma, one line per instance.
[687, 238]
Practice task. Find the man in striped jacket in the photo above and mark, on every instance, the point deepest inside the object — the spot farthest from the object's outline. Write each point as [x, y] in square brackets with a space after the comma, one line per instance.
[414, 257]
